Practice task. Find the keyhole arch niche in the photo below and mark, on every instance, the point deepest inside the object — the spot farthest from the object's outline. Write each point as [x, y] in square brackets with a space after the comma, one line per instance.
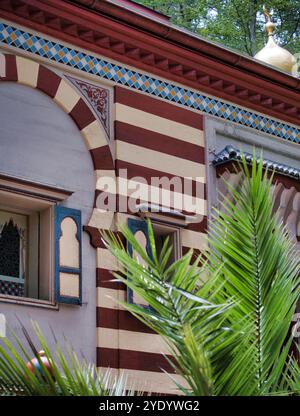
[69, 246]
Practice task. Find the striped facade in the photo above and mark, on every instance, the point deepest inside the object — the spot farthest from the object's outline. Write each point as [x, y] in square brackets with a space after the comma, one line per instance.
[153, 139]
[158, 131]
[286, 196]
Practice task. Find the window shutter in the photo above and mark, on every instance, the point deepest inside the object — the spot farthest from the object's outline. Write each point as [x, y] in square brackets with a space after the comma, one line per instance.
[139, 229]
[68, 256]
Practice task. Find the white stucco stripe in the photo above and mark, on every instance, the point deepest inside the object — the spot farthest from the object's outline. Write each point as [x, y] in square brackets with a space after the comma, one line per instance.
[121, 218]
[109, 173]
[160, 161]
[130, 340]
[158, 124]
[94, 135]
[193, 239]
[155, 195]
[106, 181]
[108, 298]
[147, 381]
[66, 96]
[105, 260]
[2, 65]
[27, 71]
[101, 219]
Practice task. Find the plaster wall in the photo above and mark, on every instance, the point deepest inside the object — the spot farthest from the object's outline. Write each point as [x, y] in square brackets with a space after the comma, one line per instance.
[40, 143]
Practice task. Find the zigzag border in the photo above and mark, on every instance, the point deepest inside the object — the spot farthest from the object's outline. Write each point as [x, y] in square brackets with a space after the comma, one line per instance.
[119, 74]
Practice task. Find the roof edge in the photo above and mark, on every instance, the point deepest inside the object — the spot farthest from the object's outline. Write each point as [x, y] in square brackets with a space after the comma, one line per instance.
[166, 30]
[232, 154]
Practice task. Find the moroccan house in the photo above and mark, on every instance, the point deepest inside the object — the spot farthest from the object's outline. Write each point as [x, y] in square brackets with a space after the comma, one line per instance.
[110, 113]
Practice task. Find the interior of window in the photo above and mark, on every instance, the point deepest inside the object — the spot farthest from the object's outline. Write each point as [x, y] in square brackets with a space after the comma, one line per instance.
[26, 247]
[162, 232]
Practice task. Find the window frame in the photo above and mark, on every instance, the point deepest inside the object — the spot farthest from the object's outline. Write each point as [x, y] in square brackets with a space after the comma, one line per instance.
[140, 224]
[61, 213]
[25, 197]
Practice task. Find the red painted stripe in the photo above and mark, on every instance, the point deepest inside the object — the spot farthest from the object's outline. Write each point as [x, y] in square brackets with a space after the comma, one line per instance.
[81, 114]
[95, 236]
[120, 319]
[133, 360]
[11, 68]
[127, 205]
[106, 279]
[110, 360]
[200, 227]
[105, 200]
[133, 170]
[48, 81]
[195, 256]
[157, 107]
[159, 142]
[102, 158]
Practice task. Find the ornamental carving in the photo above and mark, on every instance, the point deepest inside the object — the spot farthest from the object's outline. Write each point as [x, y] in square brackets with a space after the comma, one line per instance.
[98, 98]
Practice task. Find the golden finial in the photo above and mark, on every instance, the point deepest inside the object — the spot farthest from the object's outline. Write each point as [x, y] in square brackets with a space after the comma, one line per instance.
[269, 26]
[273, 54]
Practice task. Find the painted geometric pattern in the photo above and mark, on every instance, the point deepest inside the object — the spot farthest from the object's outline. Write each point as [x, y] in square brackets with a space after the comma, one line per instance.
[11, 288]
[121, 75]
[97, 97]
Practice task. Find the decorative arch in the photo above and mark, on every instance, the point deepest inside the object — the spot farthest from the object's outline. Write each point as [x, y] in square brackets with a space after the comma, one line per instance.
[25, 71]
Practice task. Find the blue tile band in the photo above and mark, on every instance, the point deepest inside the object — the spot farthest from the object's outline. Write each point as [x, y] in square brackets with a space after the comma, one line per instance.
[57, 52]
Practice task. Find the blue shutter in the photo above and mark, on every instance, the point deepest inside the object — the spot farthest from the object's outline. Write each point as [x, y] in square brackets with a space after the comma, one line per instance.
[60, 214]
[135, 226]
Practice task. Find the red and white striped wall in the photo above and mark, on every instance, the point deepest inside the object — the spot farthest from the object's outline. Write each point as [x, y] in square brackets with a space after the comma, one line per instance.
[153, 138]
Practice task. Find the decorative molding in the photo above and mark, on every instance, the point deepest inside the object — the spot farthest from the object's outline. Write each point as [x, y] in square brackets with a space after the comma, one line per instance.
[98, 99]
[25, 71]
[187, 59]
[95, 236]
[60, 53]
[286, 198]
[11, 288]
[230, 154]
[33, 189]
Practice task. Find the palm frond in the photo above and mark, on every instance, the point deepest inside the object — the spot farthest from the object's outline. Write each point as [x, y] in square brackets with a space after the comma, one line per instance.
[177, 312]
[68, 375]
[230, 336]
[261, 273]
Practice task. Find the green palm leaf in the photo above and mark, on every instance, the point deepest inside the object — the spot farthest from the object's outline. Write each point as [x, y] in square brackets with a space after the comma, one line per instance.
[261, 273]
[190, 324]
[69, 376]
[229, 336]
[238, 322]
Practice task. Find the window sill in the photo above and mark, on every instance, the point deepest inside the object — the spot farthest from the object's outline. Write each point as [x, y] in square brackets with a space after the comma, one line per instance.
[29, 302]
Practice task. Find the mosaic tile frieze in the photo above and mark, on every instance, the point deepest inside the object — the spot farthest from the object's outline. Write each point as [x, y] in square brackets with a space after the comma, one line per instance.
[60, 53]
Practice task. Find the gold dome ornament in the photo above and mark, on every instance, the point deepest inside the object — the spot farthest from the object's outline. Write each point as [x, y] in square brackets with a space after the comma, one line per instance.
[274, 55]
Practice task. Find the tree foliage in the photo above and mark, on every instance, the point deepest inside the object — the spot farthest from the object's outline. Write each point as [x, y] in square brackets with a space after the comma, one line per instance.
[235, 23]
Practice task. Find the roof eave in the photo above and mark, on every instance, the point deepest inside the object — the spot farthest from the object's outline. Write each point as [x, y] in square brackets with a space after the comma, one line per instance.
[170, 32]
